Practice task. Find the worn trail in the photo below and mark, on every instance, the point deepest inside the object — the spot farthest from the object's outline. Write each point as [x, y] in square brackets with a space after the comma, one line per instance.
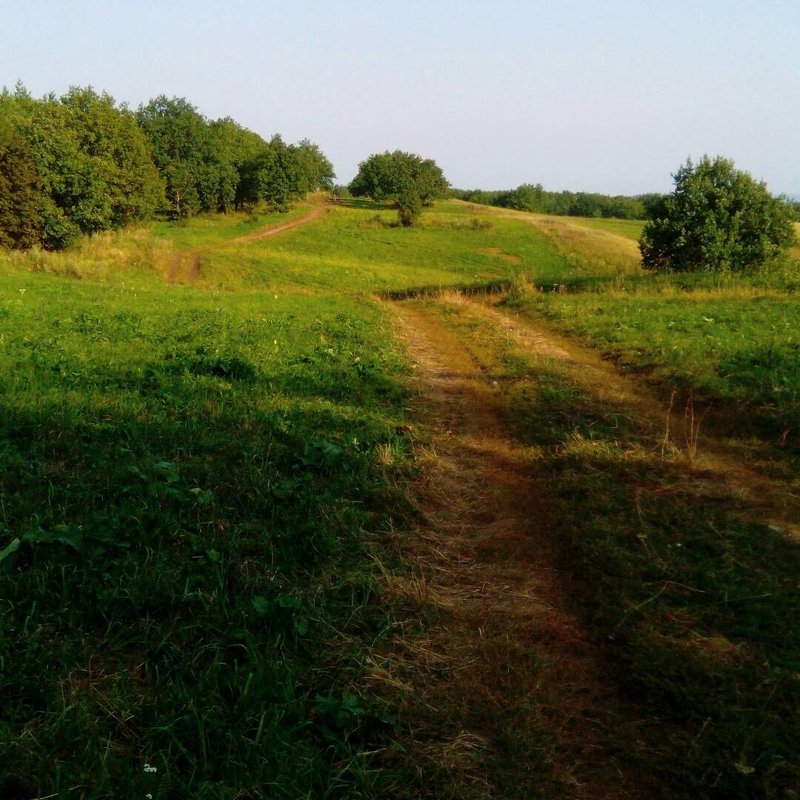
[186, 265]
[713, 458]
[514, 683]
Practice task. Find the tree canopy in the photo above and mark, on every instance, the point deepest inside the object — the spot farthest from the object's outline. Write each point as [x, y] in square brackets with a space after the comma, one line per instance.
[717, 218]
[88, 160]
[403, 178]
[80, 164]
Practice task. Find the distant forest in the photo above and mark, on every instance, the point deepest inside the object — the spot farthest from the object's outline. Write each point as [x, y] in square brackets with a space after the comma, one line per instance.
[81, 163]
[535, 198]
[528, 197]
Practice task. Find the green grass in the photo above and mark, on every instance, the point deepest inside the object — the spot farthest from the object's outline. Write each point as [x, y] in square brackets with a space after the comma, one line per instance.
[629, 228]
[730, 339]
[355, 250]
[191, 490]
[211, 229]
[735, 345]
[197, 484]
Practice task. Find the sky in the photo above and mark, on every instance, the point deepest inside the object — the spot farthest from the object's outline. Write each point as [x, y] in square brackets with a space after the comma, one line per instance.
[581, 95]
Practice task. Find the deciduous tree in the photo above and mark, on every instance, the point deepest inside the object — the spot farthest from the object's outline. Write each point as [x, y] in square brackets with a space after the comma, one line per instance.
[717, 218]
[404, 178]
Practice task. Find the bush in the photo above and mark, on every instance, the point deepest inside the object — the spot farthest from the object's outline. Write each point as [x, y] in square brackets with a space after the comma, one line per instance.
[717, 218]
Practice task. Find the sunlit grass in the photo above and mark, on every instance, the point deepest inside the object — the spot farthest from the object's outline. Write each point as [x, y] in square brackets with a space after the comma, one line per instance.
[629, 228]
[197, 480]
[359, 251]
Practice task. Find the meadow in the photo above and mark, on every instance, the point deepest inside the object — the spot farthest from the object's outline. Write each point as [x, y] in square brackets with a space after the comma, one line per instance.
[202, 484]
[729, 341]
[199, 484]
[191, 487]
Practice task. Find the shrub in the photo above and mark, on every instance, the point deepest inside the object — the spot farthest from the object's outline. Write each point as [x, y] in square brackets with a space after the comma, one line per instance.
[717, 218]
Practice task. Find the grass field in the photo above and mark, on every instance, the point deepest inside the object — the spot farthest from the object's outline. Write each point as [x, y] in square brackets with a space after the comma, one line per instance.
[358, 251]
[201, 484]
[731, 341]
[197, 485]
[191, 490]
[629, 228]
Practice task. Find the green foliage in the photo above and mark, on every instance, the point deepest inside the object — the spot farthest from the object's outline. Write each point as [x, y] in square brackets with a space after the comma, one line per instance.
[737, 345]
[534, 198]
[409, 207]
[214, 166]
[92, 164]
[191, 500]
[717, 218]
[81, 164]
[350, 251]
[404, 178]
[20, 223]
[197, 174]
[316, 171]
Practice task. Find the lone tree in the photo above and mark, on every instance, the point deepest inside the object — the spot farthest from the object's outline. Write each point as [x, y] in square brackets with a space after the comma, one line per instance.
[717, 218]
[408, 180]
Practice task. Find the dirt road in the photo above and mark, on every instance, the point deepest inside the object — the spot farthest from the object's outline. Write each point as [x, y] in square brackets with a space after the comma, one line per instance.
[509, 692]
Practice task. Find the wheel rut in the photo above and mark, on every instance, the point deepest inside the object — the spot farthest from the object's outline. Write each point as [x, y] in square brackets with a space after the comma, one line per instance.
[513, 682]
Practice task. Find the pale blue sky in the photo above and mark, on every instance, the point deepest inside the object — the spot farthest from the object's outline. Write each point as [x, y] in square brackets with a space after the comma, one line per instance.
[574, 94]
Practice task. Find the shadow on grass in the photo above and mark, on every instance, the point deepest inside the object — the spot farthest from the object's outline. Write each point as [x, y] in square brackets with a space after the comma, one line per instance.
[364, 204]
[696, 600]
[176, 586]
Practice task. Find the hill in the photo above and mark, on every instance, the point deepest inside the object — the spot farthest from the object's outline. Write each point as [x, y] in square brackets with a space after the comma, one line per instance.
[323, 506]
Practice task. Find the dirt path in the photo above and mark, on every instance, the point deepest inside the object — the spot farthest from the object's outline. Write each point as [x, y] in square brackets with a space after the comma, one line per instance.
[186, 265]
[506, 689]
[716, 459]
[519, 705]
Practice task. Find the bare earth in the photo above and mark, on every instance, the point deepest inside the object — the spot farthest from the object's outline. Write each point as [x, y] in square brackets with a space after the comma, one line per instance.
[186, 265]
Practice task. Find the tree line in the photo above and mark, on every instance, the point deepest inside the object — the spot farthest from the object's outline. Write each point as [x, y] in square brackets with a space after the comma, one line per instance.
[534, 198]
[81, 163]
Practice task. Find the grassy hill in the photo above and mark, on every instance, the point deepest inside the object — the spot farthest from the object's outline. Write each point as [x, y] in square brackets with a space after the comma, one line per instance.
[205, 463]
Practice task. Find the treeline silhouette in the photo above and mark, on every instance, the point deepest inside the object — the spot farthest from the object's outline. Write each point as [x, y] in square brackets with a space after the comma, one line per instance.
[530, 197]
[81, 163]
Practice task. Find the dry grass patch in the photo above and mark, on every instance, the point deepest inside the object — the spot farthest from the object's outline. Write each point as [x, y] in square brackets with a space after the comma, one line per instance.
[498, 252]
[598, 251]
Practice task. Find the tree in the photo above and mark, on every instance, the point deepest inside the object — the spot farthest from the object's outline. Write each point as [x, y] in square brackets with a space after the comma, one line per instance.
[180, 139]
[717, 218]
[408, 180]
[272, 174]
[20, 224]
[92, 164]
[316, 171]
[122, 184]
